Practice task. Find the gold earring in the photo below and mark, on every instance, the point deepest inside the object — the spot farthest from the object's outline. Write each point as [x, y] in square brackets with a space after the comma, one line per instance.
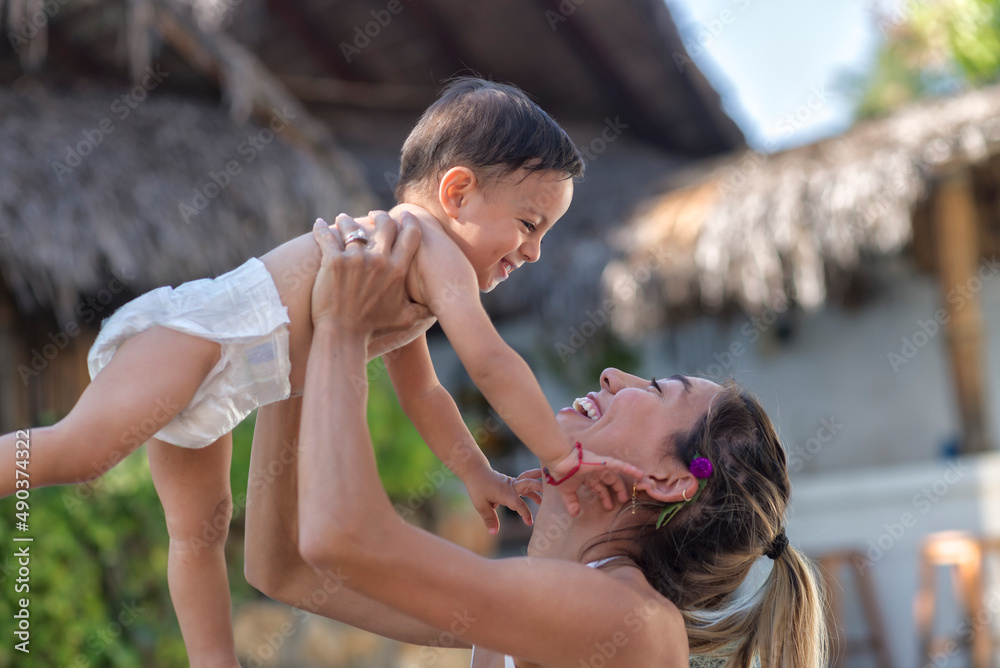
[684, 495]
[633, 497]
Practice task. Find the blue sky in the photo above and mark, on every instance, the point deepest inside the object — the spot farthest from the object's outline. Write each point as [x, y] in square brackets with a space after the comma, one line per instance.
[780, 65]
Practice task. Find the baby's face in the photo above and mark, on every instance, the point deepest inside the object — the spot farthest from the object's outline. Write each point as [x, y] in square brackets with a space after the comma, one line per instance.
[502, 225]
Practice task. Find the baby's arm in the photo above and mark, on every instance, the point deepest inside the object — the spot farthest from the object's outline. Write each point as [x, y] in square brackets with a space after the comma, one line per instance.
[451, 291]
[433, 412]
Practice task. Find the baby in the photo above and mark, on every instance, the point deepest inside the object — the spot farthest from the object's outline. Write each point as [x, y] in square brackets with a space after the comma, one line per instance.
[486, 173]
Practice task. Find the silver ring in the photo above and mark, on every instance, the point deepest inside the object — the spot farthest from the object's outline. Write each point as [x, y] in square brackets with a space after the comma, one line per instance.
[356, 235]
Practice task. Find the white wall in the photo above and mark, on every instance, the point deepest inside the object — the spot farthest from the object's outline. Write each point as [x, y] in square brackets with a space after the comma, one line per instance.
[886, 430]
[836, 368]
[886, 513]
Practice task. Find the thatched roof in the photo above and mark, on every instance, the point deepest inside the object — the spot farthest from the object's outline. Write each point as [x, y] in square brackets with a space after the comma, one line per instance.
[760, 231]
[607, 62]
[583, 61]
[152, 196]
[121, 207]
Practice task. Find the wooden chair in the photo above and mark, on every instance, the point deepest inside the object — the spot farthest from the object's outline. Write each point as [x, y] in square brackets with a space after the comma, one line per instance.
[964, 555]
[834, 566]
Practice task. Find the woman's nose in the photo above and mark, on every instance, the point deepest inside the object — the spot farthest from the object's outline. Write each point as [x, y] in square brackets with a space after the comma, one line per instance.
[612, 380]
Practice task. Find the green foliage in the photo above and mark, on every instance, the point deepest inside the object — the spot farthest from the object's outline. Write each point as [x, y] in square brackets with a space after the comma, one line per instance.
[98, 590]
[931, 47]
[98, 570]
[966, 31]
[405, 463]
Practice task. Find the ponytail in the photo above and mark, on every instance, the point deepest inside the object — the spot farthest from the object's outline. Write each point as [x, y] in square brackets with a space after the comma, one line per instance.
[782, 624]
[791, 627]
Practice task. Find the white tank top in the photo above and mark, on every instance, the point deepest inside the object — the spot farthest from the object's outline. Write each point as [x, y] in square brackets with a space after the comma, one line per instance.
[508, 661]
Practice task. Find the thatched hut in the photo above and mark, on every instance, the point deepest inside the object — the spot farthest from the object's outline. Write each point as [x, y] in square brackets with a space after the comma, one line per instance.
[355, 78]
[115, 186]
[798, 228]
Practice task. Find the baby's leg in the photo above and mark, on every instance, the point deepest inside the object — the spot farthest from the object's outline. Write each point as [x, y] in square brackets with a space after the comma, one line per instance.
[148, 381]
[194, 488]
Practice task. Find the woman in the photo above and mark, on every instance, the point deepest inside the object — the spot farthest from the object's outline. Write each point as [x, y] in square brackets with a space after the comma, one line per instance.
[336, 547]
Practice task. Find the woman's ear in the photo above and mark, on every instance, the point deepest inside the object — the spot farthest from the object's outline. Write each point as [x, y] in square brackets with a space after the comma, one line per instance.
[670, 487]
[455, 188]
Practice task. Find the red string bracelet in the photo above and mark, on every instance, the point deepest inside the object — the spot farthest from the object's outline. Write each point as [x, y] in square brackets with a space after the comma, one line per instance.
[579, 462]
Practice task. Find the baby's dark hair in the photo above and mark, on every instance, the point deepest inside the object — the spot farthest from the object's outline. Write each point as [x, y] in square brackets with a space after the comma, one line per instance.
[491, 128]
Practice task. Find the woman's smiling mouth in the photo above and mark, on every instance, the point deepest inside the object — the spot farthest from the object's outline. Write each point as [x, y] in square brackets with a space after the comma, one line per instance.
[588, 407]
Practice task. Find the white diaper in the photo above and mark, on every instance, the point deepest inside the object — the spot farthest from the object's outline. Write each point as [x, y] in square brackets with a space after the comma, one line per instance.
[242, 311]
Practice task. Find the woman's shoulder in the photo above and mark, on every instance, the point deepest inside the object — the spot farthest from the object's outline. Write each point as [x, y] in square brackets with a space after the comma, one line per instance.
[649, 611]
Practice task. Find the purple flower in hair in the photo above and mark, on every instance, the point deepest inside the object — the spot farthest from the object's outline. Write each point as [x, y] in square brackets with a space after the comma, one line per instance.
[701, 467]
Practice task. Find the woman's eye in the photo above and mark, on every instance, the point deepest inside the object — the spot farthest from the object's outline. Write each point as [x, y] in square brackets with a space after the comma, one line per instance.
[656, 385]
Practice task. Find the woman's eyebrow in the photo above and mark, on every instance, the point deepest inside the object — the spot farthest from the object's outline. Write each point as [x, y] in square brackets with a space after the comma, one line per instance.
[684, 380]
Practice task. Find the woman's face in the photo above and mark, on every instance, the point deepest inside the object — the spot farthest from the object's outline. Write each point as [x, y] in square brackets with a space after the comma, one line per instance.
[630, 417]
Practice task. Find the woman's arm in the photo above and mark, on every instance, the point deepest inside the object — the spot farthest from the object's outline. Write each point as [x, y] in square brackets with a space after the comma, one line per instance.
[553, 612]
[272, 560]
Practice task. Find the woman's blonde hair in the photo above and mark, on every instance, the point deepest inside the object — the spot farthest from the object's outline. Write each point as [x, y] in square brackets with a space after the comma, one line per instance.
[700, 558]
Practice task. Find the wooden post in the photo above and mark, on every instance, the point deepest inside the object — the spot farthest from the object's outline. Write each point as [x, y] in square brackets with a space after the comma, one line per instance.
[957, 233]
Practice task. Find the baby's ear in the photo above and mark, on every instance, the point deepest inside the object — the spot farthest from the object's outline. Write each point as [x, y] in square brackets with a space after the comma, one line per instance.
[671, 487]
[455, 187]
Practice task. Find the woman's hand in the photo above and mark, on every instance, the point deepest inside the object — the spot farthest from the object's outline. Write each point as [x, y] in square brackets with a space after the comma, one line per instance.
[361, 287]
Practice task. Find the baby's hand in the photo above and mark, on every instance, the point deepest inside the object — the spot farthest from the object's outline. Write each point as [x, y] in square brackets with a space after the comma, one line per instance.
[489, 489]
[601, 474]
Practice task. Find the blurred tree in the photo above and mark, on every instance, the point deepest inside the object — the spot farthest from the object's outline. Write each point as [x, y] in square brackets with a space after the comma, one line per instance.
[931, 47]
